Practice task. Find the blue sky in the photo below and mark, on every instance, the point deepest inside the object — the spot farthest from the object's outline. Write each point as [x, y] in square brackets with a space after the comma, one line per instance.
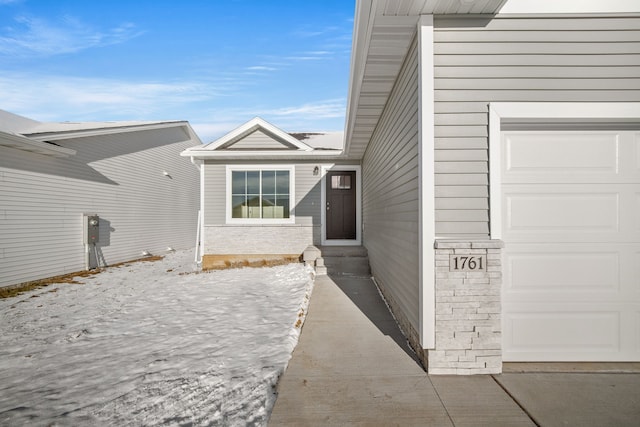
[215, 63]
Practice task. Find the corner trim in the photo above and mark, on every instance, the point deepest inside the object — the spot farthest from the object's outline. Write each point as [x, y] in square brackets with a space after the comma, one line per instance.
[426, 184]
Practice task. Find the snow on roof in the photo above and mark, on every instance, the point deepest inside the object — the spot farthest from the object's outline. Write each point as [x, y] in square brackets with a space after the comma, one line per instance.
[321, 140]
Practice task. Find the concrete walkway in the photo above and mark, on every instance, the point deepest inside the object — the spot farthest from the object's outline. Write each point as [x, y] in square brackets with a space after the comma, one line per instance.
[352, 366]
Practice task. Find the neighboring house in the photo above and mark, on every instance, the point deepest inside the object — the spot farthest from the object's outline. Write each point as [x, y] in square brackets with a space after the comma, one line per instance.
[498, 160]
[263, 193]
[55, 178]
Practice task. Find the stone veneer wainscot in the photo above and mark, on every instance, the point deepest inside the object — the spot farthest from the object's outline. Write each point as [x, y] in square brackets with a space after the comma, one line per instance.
[468, 325]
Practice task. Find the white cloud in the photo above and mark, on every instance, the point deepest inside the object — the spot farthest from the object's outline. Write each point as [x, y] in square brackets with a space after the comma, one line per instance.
[332, 108]
[207, 104]
[34, 36]
[261, 68]
[50, 97]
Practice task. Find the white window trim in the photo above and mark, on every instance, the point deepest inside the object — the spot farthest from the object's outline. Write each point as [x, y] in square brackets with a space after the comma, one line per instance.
[539, 112]
[261, 221]
[323, 200]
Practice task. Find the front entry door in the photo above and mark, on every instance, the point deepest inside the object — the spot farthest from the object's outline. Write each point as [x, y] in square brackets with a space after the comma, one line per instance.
[341, 205]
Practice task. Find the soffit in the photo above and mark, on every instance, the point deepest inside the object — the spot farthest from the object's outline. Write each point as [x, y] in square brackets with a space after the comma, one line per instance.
[383, 31]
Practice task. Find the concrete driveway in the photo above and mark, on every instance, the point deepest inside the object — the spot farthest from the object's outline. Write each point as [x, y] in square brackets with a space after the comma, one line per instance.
[352, 366]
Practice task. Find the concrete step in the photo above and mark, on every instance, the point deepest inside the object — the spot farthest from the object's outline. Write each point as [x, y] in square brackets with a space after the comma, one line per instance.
[338, 251]
[346, 261]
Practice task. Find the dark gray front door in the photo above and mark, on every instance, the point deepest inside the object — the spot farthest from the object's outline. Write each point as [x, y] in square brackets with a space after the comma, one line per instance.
[341, 205]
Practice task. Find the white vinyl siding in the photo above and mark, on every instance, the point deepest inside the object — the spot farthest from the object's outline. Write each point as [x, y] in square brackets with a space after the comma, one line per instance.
[119, 177]
[515, 59]
[390, 194]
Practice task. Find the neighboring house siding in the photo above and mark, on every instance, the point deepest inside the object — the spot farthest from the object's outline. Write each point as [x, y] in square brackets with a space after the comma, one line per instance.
[515, 59]
[119, 177]
[221, 238]
[390, 195]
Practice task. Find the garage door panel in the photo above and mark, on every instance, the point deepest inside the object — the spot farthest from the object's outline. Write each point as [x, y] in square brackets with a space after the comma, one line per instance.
[588, 333]
[569, 210]
[571, 157]
[561, 269]
[560, 157]
[567, 153]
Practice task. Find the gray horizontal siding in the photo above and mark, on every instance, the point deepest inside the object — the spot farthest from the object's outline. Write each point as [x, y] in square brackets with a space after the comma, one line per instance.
[121, 178]
[214, 194]
[308, 203]
[516, 60]
[258, 140]
[390, 194]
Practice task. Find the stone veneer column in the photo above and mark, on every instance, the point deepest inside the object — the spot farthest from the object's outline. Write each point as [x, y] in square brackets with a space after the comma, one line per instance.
[468, 326]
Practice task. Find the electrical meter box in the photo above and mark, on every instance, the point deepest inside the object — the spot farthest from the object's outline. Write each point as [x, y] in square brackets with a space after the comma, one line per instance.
[91, 228]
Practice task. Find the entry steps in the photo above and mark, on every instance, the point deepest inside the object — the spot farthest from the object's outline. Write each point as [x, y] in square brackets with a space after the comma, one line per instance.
[350, 261]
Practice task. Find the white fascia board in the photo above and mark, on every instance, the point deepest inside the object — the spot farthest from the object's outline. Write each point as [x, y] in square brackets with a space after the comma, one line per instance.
[362, 29]
[253, 125]
[27, 144]
[85, 133]
[207, 154]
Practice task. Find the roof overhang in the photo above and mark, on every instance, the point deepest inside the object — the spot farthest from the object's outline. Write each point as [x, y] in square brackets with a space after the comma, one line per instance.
[27, 144]
[62, 131]
[301, 151]
[199, 154]
[383, 31]
[250, 127]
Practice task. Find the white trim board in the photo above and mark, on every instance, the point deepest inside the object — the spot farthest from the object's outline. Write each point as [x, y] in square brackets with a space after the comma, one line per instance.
[323, 203]
[261, 221]
[426, 159]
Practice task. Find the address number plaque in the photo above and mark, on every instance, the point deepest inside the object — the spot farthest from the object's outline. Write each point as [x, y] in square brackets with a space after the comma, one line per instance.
[467, 263]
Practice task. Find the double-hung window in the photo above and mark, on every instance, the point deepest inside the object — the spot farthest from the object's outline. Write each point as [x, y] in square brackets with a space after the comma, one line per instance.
[260, 194]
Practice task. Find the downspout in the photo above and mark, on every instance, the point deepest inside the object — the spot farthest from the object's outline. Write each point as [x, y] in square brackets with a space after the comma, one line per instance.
[198, 246]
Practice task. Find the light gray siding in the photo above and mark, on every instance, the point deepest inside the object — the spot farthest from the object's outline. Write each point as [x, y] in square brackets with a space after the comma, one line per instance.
[214, 191]
[518, 60]
[390, 195]
[119, 177]
[258, 140]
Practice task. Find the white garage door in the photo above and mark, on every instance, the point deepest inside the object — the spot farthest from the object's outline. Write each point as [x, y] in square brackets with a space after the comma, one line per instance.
[571, 227]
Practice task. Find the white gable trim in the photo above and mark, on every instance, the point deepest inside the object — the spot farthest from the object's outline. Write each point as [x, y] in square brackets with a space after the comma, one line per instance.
[250, 127]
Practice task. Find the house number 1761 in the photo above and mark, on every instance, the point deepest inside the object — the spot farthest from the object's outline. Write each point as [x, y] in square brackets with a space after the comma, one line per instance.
[467, 263]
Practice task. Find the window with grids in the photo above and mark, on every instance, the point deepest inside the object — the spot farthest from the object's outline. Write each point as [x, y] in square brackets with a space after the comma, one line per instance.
[260, 194]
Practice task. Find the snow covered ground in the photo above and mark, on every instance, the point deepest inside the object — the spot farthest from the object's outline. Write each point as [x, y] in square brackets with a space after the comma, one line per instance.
[151, 343]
